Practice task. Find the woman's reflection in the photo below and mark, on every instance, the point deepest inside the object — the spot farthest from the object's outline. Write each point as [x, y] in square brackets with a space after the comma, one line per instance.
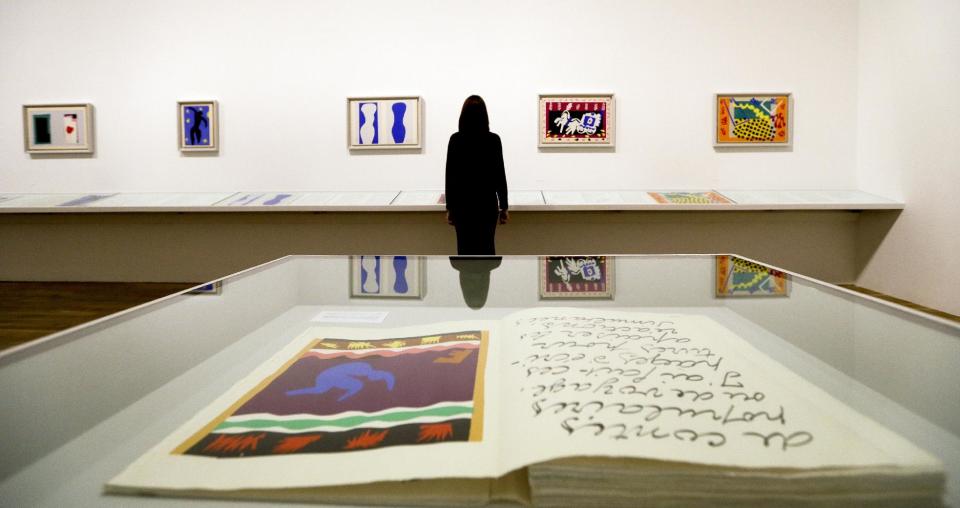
[475, 277]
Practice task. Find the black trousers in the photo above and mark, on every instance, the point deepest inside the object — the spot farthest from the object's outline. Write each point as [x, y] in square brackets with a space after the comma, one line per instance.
[475, 234]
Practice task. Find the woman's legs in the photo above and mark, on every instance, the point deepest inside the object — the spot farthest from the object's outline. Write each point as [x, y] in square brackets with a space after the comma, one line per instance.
[475, 235]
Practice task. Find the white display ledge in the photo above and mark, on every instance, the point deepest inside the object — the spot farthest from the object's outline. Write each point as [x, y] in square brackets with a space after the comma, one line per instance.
[426, 200]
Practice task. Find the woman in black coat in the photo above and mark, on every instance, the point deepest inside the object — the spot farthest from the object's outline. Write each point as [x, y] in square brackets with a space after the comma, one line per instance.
[476, 184]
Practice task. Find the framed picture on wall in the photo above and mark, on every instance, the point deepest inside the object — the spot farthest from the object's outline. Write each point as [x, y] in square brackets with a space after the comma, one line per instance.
[576, 120]
[384, 122]
[386, 276]
[198, 126]
[58, 128]
[762, 119]
[576, 277]
[740, 277]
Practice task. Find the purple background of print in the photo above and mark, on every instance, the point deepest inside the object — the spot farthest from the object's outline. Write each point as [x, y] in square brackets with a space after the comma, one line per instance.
[419, 382]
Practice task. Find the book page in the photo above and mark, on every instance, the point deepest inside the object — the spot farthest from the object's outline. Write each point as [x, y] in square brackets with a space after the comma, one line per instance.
[673, 387]
[341, 406]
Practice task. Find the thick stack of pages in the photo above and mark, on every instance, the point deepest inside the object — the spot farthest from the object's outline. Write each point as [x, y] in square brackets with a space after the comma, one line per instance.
[606, 482]
[554, 407]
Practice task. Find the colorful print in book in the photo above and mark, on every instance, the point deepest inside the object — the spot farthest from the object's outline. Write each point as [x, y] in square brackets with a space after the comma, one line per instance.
[576, 276]
[341, 395]
[690, 198]
[753, 119]
[739, 277]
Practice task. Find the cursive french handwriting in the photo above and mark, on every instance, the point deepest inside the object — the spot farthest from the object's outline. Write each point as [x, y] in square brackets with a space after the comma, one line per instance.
[632, 379]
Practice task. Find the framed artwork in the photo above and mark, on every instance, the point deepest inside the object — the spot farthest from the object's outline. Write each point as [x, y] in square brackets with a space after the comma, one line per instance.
[386, 276]
[576, 277]
[739, 277]
[753, 119]
[383, 122]
[576, 120]
[340, 396]
[58, 128]
[210, 288]
[690, 198]
[198, 126]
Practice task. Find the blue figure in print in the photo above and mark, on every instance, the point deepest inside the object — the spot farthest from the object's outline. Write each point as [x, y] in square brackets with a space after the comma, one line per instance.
[399, 131]
[347, 377]
[199, 126]
[400, 269]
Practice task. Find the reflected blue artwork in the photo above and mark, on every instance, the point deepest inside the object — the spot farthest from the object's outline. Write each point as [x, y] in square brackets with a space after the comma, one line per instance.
[370, 274]
[386, 276]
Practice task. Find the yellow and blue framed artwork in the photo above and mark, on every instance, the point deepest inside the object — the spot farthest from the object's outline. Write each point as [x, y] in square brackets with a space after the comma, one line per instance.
[753, 119]
[737, 276]
[58, 128]
[198, 126]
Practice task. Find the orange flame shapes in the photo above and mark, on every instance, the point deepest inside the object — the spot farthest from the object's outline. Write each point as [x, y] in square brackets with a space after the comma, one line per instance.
[228, 443]
[435, 432]
[368, 439]
[294, 443]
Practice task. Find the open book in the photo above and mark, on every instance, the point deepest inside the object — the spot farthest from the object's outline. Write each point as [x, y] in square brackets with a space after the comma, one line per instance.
[549, 407]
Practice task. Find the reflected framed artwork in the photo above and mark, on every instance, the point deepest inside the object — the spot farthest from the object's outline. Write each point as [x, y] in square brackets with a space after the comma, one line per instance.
[58, 128]
[741, 277]
[386, 276]
[198, 126]
[384, 122]
[753, 119]
[210, 288]
[576, 277]
[576, 120]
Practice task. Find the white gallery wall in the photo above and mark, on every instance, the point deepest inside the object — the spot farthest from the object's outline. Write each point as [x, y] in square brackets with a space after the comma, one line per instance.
[282, 71]
[909, 145]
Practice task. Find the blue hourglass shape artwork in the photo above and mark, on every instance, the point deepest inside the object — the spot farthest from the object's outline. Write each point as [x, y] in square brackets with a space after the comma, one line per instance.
[399, 131]
[400, 285]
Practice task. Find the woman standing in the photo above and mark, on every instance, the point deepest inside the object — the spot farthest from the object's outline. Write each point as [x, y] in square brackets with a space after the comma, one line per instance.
[476, 184]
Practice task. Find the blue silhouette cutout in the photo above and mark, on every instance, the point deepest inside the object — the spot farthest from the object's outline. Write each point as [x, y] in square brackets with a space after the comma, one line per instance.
[199, 121]
[345, 377]
[399, 131]
[400, 268]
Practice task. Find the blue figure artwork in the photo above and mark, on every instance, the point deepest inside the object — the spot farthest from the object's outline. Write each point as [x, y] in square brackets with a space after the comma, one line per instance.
[399, 131]
[276, 200]
[400, 269]
[346, 377]
[196, 125]
[370, 274]
[369, 129]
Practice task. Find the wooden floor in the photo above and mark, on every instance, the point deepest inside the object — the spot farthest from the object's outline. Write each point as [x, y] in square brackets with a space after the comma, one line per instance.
[29, 310]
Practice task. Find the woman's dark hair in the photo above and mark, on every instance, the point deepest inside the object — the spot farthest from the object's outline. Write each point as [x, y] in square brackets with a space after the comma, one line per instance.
[473, 115]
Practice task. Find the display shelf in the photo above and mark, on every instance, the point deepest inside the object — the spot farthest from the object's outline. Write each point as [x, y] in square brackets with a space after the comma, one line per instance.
[82, 404]
[430, 200]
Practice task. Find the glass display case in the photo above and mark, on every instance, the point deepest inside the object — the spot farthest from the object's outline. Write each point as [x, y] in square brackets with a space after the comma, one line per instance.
[81, 405]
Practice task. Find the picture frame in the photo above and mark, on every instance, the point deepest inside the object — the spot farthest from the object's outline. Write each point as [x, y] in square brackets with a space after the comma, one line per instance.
[568, 120]
[753, 119]
[198, 126]
[377, 276]
[576, 277]
[58, 128]
[739, 277]
[377, 123]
